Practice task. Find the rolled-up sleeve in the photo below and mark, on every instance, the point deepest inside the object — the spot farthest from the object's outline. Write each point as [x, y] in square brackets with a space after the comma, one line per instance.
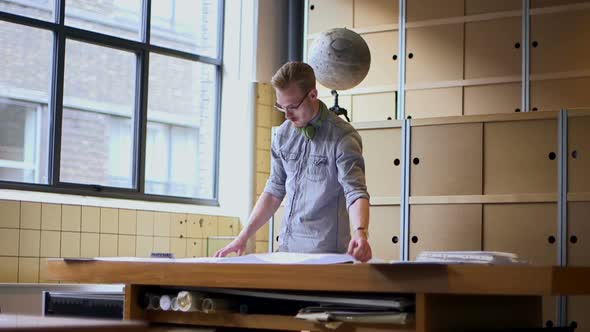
[351, 168]
[275, 185]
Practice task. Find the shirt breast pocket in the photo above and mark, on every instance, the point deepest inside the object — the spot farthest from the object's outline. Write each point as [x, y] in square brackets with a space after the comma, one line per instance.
[290, 160]
[317, 168]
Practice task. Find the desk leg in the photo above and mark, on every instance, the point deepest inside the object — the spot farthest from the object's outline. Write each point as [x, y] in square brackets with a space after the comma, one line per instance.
[435, 312]
[132, 308]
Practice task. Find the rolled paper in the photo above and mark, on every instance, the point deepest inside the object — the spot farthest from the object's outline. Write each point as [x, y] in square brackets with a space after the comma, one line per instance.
[174, 304]
[165, 302]
[211, 305]
[154, 303]
[188, 301]
[243, 308]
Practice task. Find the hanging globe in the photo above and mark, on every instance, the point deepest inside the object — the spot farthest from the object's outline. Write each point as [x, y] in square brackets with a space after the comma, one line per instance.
[340, 58]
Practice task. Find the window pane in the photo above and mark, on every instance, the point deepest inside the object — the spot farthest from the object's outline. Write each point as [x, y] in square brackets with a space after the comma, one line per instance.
[186, 25]
[119, 18]
[25, 55]
[97, 130]
[39, 9]
[181, 134]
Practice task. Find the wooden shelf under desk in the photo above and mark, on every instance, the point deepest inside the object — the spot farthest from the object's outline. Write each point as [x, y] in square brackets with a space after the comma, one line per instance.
[274, 322]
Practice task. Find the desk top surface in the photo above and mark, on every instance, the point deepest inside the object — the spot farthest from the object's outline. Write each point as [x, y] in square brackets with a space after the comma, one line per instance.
[375, 278]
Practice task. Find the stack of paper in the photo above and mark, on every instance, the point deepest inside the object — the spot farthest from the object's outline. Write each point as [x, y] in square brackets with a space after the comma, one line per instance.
[356, 314]
[471, 257]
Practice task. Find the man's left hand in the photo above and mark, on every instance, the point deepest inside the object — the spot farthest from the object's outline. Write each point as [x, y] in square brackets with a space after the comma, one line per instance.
[359, 248]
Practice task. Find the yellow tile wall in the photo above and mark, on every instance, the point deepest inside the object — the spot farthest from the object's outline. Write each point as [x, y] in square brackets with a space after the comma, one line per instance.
[266, 118]
[33, 232]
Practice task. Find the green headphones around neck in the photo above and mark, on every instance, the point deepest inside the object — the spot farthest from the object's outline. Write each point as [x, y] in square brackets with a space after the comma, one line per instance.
[310, 129]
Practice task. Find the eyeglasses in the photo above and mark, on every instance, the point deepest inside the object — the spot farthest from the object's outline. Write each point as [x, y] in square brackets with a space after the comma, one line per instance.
[291, 109]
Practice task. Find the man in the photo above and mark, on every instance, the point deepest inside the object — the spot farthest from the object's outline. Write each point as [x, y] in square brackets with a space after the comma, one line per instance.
[317, 164]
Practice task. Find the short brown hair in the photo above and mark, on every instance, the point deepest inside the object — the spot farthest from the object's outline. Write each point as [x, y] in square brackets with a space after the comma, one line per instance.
[299, 73]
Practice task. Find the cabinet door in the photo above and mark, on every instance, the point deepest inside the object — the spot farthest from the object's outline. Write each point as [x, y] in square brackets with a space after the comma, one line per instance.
[444, 227]
[418, 10]
[553, 95]
[323, 15]
[434, 53]
[551, 50]
[520, 157]
[474, 7]
[382, 154]
[384, 63]
[551, 3]
[578, 154]
[384, 232]
[446, 160]
[434, 103]
[578, 247]
[373, 107]
[578, 254]
[369, 13]
[493, 48]
[492, 99]
[529, 230]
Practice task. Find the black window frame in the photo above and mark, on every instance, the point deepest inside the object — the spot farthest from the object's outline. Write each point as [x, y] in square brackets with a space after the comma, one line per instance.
[142, 49]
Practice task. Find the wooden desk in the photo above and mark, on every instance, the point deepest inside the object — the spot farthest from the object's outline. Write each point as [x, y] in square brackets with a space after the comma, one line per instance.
[448, 297]
[25, 323]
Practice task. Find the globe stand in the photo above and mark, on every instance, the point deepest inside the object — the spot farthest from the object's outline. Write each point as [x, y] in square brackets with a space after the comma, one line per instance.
[337, 109]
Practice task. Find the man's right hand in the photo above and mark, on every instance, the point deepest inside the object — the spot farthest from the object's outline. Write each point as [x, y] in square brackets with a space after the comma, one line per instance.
[238, 245]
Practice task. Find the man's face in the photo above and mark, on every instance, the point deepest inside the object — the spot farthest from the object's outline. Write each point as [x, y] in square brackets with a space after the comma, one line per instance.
[297, 105]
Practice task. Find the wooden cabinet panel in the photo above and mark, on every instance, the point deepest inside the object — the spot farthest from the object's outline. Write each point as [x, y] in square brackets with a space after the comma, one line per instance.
[577, 312]
[550, 3]
[549, 311]
[323, 15]
[368, 13]
[553, 95]
[493, 48]
[434, 102]
[418, 10]
[343, 101]
[384, 232]
[444, 227]
[578, 154]
[559, 42]
[382, 154]
[474, 7]
[529, 230]
[434, 53]
[492, 99]
[520, 157]
[578, 246]
[384, 69]
[446, 160]
[374, 107]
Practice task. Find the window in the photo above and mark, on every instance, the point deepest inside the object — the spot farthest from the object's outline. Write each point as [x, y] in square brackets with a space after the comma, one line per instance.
[98, 102]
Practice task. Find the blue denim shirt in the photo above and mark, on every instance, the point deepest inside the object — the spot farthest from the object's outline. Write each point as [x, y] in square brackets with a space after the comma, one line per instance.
[321, 178]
